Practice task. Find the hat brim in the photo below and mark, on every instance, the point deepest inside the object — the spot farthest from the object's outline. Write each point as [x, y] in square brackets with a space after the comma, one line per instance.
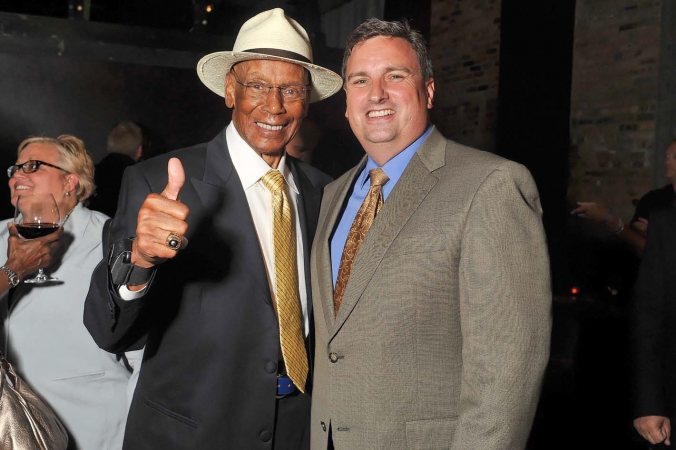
[212, 68]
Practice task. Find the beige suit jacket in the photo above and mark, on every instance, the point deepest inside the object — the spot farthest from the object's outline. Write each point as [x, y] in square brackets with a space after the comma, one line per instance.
[443, 334]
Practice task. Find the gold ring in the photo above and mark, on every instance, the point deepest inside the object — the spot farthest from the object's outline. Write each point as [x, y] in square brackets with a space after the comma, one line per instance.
[174, 241]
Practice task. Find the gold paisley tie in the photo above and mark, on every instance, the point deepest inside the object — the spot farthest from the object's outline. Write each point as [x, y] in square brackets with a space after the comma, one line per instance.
[362, 222]
[287, 298]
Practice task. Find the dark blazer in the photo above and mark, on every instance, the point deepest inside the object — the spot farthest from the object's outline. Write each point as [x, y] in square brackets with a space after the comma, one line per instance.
[209, 373]
[653, 319]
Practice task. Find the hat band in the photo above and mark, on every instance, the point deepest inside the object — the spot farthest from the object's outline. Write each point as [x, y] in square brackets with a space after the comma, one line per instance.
[279, 53]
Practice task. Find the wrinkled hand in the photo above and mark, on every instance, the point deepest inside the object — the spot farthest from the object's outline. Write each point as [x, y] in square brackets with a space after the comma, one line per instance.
[641, 226]
[654, 429]
[592, 211]
[26, 256]
[160, 215]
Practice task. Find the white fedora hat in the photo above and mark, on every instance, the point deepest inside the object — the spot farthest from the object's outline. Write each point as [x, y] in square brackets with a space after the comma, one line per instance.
[269, 35]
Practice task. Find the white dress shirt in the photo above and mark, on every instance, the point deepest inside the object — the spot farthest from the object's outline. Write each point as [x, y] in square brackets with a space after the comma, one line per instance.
[251, 167]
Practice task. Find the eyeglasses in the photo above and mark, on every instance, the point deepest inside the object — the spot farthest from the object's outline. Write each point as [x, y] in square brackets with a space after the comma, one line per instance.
[259, 90]
[29, 166]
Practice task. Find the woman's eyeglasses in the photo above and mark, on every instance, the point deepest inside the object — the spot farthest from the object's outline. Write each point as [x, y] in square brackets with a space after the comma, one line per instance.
[29, 166]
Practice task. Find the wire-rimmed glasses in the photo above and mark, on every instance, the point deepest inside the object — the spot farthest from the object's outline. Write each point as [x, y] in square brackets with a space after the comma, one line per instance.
[260, 89]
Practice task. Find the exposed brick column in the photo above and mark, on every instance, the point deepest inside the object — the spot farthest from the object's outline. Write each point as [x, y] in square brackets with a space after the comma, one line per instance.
[465, 49]
[614, 101]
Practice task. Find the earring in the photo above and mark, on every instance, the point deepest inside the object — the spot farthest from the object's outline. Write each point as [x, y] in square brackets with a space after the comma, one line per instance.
[67, 194]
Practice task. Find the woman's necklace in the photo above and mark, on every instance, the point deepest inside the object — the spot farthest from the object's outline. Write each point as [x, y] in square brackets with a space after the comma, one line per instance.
[65, 219]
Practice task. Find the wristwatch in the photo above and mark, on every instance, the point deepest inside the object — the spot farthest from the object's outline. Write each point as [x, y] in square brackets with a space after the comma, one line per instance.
[122, 271]
[13, 277]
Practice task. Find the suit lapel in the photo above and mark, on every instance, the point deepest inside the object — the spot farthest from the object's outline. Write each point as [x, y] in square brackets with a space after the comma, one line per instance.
[411, 189]
[220, 193]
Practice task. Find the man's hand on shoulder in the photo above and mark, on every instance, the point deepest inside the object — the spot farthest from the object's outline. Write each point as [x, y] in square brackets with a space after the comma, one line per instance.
[654, 429]
[161, 220]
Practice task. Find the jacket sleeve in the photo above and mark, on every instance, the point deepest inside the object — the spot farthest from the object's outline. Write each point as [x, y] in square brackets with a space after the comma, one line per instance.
[505, 312]
[115, 324]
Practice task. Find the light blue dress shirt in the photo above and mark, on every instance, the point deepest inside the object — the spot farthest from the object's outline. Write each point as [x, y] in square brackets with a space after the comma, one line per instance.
[393, 169]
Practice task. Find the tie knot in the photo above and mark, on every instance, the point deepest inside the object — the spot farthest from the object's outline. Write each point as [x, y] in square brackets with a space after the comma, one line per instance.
[378, 177]
[274, 181]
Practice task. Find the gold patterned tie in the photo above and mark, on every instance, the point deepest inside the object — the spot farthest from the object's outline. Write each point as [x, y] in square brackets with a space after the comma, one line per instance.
[287, 298]
[362, 222]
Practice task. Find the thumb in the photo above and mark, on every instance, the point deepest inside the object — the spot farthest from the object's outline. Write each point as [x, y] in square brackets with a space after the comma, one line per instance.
[176, 179]
[12, 230]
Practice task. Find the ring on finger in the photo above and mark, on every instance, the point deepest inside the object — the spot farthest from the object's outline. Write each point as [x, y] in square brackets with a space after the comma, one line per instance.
[174, 241]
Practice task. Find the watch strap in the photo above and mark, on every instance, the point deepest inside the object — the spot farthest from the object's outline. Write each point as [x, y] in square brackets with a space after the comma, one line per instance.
[122, 271]
[14, 279]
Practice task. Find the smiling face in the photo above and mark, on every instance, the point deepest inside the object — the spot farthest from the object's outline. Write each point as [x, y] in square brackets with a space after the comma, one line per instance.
[46, 179]
[387, 99]
[266, 124]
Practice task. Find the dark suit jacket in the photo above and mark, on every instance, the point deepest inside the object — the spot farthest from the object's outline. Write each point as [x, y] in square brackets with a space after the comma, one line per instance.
[654, 321]
[208, 379]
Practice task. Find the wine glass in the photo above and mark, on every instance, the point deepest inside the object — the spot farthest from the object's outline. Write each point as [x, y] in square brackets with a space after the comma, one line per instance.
[37, 215]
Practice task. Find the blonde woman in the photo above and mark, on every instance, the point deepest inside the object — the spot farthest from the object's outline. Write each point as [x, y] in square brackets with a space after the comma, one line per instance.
[44, 336]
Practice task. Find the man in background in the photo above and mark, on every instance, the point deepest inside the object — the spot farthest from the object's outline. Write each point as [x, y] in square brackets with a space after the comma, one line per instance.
[656, 200]
[653, 340]
[304, 143]
[125, 147]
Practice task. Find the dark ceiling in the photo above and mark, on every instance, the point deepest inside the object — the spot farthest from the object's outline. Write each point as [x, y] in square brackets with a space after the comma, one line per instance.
[196, 16]
[210, 17]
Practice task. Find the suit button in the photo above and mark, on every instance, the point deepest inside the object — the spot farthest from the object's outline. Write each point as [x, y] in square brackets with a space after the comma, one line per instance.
[266, 436]
[333, 357]
[271, 367]
[323, 426]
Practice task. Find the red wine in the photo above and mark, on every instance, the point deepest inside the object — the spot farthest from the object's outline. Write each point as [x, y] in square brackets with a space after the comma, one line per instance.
[36, 230]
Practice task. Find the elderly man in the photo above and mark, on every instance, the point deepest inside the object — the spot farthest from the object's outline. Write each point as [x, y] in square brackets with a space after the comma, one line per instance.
[213, 276]
[430, 274]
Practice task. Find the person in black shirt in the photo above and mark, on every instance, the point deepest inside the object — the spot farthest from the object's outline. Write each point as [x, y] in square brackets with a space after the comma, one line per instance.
[655, 200]
[658, 199]
[125, 147]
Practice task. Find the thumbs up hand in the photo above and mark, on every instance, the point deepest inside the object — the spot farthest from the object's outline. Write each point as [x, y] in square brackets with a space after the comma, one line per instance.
[161, 222]
[175, 179]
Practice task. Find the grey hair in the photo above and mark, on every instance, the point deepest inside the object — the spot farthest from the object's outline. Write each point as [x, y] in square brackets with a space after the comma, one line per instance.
[375, 27]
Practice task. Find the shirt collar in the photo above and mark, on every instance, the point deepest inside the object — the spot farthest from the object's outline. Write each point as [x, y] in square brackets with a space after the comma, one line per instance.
[77, 220]
[395, 166]
[249, 165]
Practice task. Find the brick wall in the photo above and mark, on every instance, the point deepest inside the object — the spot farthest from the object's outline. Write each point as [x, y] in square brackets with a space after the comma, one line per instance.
[465, 50]
[614, 101]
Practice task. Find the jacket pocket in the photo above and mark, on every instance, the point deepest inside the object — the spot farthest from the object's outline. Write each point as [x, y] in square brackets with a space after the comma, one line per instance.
[169, 413]
[433, 434]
